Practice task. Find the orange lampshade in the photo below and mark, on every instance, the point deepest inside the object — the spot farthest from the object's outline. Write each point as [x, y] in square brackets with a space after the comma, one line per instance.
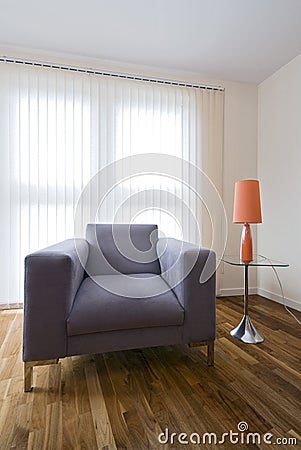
[247, 207]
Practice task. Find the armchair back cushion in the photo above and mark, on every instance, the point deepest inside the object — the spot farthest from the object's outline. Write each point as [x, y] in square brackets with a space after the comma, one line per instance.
[122, 248]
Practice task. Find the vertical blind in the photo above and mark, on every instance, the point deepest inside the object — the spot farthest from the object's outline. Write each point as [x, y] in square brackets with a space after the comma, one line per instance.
[59, 128]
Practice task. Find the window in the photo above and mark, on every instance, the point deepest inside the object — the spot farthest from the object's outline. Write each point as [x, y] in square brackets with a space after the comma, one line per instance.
[59, 128]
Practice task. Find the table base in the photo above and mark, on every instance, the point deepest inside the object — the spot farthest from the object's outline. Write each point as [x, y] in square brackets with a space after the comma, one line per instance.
[246, 332]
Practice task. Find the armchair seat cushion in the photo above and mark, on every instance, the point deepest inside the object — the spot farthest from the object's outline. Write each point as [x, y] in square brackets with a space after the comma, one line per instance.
[118, 302]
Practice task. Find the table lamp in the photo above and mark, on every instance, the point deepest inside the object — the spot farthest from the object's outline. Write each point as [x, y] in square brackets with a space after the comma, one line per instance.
[247, 210]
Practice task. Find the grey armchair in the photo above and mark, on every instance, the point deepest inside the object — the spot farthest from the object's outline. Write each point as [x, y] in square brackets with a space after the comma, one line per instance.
[120, 288]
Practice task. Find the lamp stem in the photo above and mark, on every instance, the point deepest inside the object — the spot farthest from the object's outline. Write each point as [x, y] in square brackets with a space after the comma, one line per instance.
[246, 290]
[246, 247]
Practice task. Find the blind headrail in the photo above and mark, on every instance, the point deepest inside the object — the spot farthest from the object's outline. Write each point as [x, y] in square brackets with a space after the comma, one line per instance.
[92, 71]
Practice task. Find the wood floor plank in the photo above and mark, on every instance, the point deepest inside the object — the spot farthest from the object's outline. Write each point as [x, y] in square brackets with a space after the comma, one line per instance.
[85, 434]
[67, 389]
[40, 381]
[7, 423]
[123, 400]
[118, 423]
[36, 440]
[140, 396]
[6, 321]
[80, 386]
[53, 437]
[103, 430]
[20, 431]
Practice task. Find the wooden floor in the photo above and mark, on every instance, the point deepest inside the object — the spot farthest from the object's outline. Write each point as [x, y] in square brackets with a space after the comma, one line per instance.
[125, 399]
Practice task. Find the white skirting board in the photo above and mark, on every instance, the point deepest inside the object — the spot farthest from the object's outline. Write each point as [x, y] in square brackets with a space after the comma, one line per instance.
[278, 298]
[236, 291]
[270, 295]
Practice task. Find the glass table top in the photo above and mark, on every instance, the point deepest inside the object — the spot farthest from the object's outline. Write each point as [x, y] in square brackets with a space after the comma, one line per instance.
[258, 260]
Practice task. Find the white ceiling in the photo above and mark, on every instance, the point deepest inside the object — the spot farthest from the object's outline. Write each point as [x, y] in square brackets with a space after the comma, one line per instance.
[241, 40]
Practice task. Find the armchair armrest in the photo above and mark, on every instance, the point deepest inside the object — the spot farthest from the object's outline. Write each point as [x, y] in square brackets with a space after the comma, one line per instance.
[182, 265]
[52, 278]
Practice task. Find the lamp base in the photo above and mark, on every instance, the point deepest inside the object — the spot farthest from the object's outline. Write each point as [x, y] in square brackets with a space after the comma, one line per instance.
[246, 332]
[246, 246]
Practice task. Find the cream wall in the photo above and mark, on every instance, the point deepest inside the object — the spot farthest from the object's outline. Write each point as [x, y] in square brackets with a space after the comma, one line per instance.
[240, 162]
[240, 138]
[279, 170]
